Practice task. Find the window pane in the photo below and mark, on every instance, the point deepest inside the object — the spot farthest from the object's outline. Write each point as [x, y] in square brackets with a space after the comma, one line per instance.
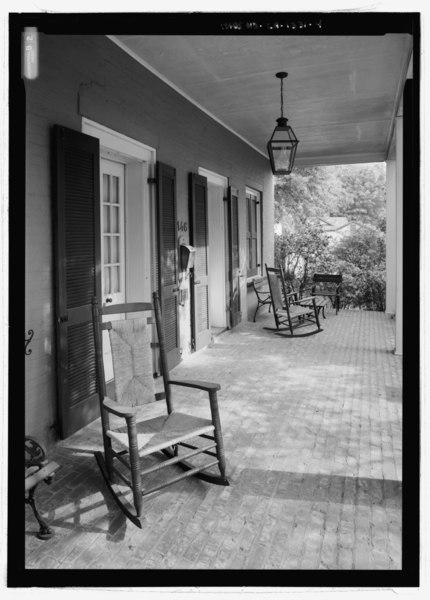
[115, 280]
[106, 219]
[254, 222]
[106, 280]
[105, 188]
[115, 188]
[114, 220]
[248, 215]
[106, 249]
[115, 249]
[254, 253]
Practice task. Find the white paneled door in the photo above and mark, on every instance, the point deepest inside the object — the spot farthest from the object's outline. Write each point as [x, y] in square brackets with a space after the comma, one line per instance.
[112, 182]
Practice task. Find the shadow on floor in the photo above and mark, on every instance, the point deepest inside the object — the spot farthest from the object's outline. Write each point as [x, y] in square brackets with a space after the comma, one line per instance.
[320, 488]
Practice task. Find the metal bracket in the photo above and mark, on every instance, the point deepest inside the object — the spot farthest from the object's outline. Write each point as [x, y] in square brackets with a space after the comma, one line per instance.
[28, 340]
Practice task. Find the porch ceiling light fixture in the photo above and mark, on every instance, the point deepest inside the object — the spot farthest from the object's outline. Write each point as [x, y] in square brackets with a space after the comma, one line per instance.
[282, 145]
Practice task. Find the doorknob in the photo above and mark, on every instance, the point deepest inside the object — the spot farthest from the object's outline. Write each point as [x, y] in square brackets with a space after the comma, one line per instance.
[196, 282]
[108, 300]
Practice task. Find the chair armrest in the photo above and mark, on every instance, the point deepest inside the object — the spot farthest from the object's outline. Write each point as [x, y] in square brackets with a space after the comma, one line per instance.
[305, 299]
[120, 410]
[212, 389]
[206, 386]
[326, 293]
[46, 472]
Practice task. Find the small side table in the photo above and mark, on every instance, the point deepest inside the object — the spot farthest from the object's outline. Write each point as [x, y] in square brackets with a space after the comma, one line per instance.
[320, 302]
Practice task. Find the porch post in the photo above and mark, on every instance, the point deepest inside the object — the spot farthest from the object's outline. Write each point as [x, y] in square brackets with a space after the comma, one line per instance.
[391, 235]
[399, 236]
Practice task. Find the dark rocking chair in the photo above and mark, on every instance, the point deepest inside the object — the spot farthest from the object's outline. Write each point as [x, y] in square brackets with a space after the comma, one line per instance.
[287, 307]
[177, 435]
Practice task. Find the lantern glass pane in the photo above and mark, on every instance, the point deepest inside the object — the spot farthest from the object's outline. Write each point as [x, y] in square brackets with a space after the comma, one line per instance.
[281, 157]
[280, 134]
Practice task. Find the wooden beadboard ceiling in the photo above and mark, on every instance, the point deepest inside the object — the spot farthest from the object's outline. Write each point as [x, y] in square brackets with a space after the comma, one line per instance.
[341, 94]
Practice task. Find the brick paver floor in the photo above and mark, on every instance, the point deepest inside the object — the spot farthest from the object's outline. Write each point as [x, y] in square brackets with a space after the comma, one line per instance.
[312, 433]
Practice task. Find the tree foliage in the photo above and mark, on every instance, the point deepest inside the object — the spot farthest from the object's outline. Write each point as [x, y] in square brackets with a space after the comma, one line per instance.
[361, 259]
[364, 187]
[354, 191]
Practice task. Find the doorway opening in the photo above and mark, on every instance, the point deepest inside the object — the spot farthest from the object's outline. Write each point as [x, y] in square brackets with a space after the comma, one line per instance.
[125, 211]
[217, 251]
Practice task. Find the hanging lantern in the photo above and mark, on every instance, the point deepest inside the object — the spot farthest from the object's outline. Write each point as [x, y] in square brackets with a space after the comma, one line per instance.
[282, 145]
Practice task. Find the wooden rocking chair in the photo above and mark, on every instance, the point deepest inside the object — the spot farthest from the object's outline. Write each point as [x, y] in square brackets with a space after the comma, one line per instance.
[127, 448]
[287, 307]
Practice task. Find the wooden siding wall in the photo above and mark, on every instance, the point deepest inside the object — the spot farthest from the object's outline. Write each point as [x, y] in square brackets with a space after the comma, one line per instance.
[89, 76]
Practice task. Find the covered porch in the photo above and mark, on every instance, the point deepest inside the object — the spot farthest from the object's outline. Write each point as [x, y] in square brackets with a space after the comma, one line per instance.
[313, 437]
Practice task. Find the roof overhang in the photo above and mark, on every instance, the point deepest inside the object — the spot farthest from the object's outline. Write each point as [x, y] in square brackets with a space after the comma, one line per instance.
[341, 96]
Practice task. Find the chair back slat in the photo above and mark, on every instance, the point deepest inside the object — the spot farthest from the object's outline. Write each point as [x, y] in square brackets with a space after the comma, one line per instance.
[334, 278]
[273, 277]
[132, 362]
[131, 334]
[129, 307]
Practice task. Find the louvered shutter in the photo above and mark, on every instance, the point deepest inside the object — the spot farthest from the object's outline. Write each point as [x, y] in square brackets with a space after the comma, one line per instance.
[252, 234]
[234, 267]
[168, 283]
[78, 274]
[199, 282]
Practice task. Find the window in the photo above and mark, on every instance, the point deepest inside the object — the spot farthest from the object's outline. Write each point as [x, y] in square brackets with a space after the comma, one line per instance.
[113, 231]
[253, 233]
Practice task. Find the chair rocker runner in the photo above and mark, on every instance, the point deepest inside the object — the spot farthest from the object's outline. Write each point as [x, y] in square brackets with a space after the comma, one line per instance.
[287, 307]
[177, 435]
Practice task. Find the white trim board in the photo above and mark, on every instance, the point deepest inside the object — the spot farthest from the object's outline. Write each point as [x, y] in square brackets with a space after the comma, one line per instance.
[123, 145]
[213, 177]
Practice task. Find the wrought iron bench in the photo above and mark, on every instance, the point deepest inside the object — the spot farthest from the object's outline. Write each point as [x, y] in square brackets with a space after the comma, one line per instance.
[37, 469]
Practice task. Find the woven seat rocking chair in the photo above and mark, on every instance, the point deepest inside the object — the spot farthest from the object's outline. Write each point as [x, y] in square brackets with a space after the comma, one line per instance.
[135, 437]
[288, 309]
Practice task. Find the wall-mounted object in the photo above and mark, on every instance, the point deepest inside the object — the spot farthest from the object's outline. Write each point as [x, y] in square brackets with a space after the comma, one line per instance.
[28, 340]
[183, 297]
[186, 254]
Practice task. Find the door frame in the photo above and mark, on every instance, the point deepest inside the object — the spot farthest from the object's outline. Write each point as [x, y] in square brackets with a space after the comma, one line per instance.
[140, 162]
[234, 270]
[199, 279]
[221, 181]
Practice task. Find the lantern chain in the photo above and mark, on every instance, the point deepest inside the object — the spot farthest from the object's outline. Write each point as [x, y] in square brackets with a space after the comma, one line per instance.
[282, 98]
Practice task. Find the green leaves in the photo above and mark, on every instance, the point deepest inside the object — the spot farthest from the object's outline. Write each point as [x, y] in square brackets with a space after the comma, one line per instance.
[310, 196]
